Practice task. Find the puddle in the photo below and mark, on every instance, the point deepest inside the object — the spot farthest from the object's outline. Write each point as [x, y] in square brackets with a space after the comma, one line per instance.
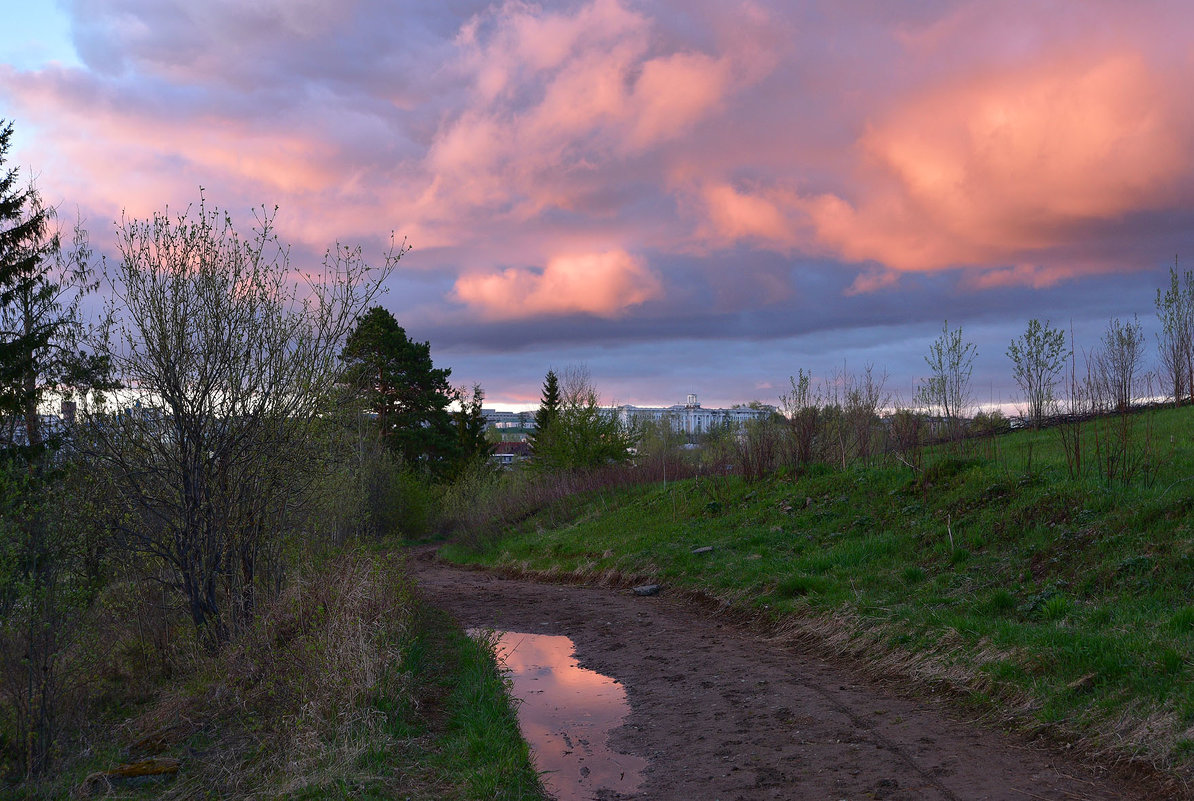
[566, 713]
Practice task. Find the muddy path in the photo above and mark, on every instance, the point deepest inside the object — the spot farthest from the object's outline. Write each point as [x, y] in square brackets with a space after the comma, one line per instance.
[721, 713]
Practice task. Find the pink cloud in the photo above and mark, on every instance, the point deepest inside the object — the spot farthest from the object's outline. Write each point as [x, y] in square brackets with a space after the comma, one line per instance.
[989, 168]
[557, 97]
[674, 92]
[114, 156]
[967, 136]
[601, 284]
[764, 217]
[873, 281]
[1037, 276]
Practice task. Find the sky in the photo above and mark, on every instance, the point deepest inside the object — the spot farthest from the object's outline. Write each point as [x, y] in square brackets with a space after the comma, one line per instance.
[683, 195]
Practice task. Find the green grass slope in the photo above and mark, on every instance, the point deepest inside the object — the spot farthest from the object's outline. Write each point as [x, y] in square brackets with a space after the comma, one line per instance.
[1059, 598]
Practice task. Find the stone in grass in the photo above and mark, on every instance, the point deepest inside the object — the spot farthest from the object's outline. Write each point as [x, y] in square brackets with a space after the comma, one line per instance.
[703, 549]
[648, 589]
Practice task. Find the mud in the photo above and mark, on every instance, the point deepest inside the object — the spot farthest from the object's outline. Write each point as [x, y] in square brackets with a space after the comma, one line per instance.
[721, 713]
[566, 713]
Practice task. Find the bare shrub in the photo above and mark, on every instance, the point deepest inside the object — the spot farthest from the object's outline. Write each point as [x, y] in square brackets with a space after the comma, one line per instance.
[1124, 445]
[802, 409]
[1038, 357]
[837, 421]
[758, 446]
[49, 580]
[906, 436]
[1117, 364]
[660, 444]
[863, 395]
[229, 365]
[1175, 340]
[479, 505]
[361, 492]
[946, 391]
[1078, 404]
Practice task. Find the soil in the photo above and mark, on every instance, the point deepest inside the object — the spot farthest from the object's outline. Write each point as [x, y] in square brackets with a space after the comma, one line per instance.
[722, 712]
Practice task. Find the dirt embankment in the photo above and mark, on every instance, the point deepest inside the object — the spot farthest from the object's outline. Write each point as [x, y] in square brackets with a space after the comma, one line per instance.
[721, 713]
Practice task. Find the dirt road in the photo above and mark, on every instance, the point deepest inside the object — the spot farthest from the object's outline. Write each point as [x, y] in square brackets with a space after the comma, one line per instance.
[720, 713]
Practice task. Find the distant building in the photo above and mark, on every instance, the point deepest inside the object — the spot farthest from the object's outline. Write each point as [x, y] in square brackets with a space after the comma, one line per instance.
[496, 419]
[691, 417]
[507, 454]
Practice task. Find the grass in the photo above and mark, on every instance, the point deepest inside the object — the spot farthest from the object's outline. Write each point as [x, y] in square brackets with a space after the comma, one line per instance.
[347, 687]
[1061, 603]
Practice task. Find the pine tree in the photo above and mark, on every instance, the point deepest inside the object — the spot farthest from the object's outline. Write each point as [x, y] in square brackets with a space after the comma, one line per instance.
[548, 411]
[397, 380]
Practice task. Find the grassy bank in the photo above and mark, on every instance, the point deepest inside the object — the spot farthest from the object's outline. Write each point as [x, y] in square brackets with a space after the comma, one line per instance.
[347, 687]
[1056, 599]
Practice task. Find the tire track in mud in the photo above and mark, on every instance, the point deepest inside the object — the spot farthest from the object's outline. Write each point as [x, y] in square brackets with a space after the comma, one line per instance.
[721, 713]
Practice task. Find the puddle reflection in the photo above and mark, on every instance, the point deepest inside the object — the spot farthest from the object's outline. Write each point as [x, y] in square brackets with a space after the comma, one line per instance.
[566, 714]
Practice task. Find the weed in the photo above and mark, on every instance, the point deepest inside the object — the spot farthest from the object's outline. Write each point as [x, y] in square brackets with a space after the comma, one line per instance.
[794, 586]
[1001, 602]
[1057, 607]
[913, 575]
[1183, 619]
[1170, 662]
[337, 691]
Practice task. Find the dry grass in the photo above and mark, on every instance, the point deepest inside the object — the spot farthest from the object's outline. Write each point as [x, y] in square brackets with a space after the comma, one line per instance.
[290, 703]
[344, 687]
[478, 507]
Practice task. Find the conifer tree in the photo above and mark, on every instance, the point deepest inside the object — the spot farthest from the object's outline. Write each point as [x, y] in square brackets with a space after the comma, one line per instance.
[471, 441]
[25, 244]
[42, 331]
[579, 433]
[548, 411]
[410, 396]
[49, 557]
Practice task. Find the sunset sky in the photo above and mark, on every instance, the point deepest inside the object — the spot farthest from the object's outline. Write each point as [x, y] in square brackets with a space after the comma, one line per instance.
[687, 196]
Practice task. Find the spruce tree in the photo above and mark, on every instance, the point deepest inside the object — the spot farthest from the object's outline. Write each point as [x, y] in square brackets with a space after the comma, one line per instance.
[548, 411]
[49, 562]
[25, 244]
[471, 442]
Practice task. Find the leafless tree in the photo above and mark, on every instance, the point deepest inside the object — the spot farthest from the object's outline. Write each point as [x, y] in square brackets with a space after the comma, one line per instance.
[864, 395]
[1038, 358]
[802, 408]
[1116, 365]
[946, 391]
[228, 363]
[1175, 340]
[906, 436]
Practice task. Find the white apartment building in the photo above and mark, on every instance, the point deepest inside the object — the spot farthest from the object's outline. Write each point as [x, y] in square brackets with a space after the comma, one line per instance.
[691, 417]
